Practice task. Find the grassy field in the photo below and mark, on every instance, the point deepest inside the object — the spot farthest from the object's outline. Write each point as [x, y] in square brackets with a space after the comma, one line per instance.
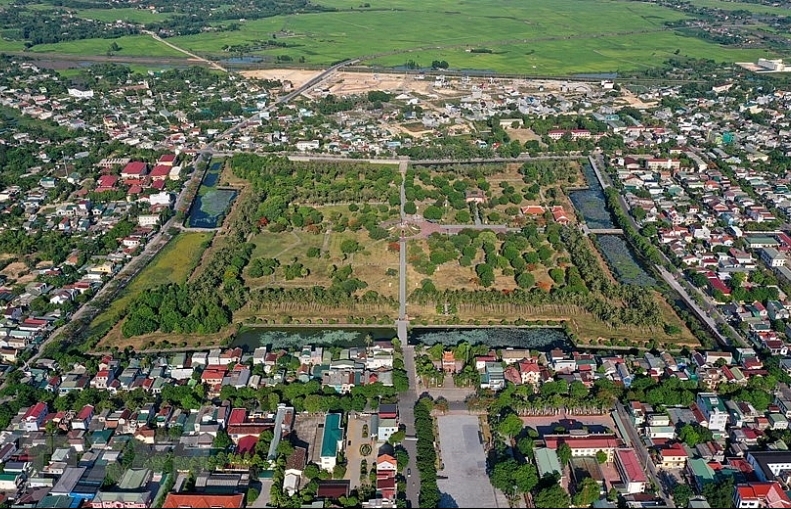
[172, 265]
[369, 265]
[129, 15]
[542, 37]
[131, 45]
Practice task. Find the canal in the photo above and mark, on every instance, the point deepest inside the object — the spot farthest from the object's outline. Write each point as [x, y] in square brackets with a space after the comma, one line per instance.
[211, 204]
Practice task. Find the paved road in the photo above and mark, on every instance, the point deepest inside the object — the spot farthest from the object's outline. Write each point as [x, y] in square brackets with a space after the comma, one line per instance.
[406, 412]
[402, 167]
[642, 453]
[701, 314]
[389, 160]
[213, 65]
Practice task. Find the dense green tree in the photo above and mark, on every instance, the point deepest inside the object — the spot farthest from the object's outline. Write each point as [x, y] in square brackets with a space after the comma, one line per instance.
[552, 496]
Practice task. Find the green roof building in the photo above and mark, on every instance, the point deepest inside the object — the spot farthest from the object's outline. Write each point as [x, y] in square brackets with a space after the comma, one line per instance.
[332, 442]
[547, 462]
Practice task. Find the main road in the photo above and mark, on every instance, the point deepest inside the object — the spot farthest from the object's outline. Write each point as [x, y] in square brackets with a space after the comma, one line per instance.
[406, 414]
[642, 453]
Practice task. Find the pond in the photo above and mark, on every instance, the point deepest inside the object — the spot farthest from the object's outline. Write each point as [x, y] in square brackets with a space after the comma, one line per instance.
[622, 261]
[591, 203]
[209, 207]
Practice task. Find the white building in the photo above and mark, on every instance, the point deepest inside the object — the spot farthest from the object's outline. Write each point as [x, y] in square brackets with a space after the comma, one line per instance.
[148, 219]
[80, 94]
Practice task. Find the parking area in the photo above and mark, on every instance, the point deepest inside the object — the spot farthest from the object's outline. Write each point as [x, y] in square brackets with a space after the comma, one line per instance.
[463, 482]
[358, 434]
[309, 430]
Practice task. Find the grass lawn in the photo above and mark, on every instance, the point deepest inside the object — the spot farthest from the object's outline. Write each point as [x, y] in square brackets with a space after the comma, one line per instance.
[129, 15]
[131, 45]
[172, 265]
[591, 330]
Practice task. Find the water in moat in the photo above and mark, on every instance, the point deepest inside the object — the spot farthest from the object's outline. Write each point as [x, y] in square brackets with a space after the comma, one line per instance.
[543, 339]
[591, 203]
[209, 208]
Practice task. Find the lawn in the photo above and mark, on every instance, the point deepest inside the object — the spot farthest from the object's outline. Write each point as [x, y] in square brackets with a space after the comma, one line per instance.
[131, 45]
[129, 15]
[541, 37]
[172, 265]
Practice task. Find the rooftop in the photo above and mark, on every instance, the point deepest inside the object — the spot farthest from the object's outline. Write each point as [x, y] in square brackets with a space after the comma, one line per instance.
[333, 433]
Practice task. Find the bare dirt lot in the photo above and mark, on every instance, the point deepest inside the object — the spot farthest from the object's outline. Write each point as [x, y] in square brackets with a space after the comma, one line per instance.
[19, 272]
[297, 77]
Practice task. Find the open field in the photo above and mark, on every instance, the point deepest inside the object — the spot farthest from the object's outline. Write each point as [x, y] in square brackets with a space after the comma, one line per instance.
[131, 45]
[129, 15]
[172, 265]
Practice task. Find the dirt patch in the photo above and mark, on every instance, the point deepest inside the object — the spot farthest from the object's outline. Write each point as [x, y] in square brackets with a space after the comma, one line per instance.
[19, 272]
[297, 77]
[349, 83]
[522, 135]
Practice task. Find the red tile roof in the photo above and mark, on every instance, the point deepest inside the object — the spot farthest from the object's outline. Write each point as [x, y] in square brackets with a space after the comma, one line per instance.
[176, 500]
[238, 416]
[630, 465]
[135, 168]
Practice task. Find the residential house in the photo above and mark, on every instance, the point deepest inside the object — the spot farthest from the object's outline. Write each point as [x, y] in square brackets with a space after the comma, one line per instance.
[332, 442]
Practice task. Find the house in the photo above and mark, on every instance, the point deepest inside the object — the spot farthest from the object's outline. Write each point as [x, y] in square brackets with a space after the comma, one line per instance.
[202, 500]
[475, 196]
[672, 456]
[386, 428]
[760, 494]
[159, 172]
[83, 418]
[386, 463]
[547, 462]
[585, 444]
[134, 170]
[559, 215]
[713, 410]
[34, 417]
[10, 482]
[630, 470]
[332, 442]
[772, 257]
[449, 364]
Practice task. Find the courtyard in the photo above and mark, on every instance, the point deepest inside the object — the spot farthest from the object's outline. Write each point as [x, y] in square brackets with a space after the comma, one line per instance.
[461, 450]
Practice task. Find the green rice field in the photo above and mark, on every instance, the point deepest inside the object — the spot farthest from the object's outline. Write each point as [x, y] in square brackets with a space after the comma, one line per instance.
[541, 37]
[131, 45]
